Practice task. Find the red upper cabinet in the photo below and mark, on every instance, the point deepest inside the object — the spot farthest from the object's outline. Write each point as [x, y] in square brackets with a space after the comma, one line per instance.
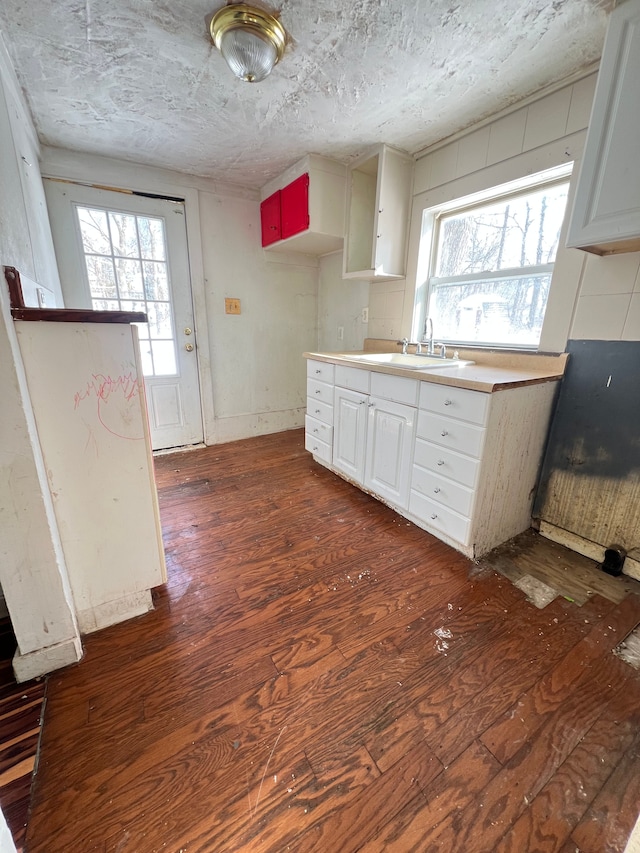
[294, 206]
[270, 219]
[303, 208]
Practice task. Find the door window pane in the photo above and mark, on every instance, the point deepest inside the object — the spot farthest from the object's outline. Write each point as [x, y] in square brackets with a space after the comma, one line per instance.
[160, 320]
[126, 267]
[102, 280]
[145, 357]
[94, 230]
[151, 233]
[105, 304]
[124, 234]
[129, 279]
[156, 285]
[164, 358]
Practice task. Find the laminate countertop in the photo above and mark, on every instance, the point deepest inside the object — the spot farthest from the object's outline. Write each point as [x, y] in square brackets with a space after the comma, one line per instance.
[491, 371]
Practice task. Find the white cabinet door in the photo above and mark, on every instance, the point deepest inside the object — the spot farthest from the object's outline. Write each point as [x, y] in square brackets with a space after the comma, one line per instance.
[390, 438]
[349, 432]
[606, 211]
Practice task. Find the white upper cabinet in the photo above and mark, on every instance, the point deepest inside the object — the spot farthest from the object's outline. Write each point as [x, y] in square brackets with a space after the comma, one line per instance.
[378, 198]
[303, 209]
[606, 212]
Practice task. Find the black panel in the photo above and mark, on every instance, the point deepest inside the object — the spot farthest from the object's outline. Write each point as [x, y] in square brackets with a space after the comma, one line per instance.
[596, 427]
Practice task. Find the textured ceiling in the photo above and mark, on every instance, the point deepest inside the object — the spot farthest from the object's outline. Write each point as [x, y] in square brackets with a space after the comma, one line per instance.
[139, 79]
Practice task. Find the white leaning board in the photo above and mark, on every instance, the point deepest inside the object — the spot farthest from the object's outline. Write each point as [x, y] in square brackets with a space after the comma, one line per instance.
[88, 400]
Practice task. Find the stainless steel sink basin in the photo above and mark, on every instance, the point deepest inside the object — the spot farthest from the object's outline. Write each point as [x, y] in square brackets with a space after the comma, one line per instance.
[410, 361]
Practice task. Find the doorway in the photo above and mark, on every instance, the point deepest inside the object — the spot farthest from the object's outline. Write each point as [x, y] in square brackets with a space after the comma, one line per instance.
[122, 251]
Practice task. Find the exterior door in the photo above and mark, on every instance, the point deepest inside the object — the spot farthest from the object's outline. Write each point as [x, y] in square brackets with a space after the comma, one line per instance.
[118, 251]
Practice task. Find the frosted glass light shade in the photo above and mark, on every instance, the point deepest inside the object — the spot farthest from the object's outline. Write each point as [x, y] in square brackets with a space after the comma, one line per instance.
[250, 39]
[250, 57]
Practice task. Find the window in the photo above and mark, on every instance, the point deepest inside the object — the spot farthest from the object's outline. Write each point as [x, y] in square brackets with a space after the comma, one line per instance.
[126, 265]
[491, 262]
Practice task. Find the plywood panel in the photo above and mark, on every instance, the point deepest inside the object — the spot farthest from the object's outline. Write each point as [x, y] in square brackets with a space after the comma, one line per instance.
[91, 421]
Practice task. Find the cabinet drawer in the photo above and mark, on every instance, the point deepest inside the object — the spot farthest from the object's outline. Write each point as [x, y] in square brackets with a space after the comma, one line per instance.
[320, 370]
[443, 491]
[447, 463]
[319, 410]
[396, 388]
[352, 378]
[319, 448]
[320, 391]
[460, 403]
[318, 429]
[439, 517]
[447, 432]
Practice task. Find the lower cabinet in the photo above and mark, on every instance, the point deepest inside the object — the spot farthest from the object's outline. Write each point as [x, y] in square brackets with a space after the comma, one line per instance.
[350, 432]
[461, 464]
[373, 442]
[389, 450]
[318, 423]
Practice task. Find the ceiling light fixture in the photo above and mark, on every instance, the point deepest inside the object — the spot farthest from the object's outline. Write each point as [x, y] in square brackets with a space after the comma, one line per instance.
[251, 40]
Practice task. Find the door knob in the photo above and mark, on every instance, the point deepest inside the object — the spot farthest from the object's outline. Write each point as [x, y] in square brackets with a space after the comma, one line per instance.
[188, 331]
[188, 347]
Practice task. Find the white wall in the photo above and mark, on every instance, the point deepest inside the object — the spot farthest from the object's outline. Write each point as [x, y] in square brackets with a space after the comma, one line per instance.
[32, 569]
[608, 306]
[340, 304]
[258, 373]
[251, 366]
[590, 297]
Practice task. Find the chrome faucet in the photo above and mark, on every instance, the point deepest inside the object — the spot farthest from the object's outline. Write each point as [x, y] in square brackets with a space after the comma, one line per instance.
[428, 339]
[405, 344]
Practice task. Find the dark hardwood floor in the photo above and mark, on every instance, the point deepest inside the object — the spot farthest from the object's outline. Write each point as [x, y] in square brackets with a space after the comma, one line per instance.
[20, 713]
[321, 675]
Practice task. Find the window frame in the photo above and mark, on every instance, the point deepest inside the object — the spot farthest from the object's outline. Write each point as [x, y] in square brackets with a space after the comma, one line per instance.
[428, 247]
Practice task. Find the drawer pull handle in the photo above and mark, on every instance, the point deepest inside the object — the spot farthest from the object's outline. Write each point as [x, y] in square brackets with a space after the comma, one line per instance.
[318, 371]
[448, 402]
[436, 490]
[316, 447]
[318, 391]
[318, 412]
[444, 432]
[371, 405]
[434, 515]
[316, 430]
[440, 461]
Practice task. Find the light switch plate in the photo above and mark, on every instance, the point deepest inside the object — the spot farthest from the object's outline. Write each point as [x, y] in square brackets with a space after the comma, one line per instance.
[232, 306]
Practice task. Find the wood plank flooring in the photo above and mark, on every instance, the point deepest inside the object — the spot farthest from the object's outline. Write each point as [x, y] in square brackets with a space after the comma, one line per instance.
[20, 712]
[321, 675]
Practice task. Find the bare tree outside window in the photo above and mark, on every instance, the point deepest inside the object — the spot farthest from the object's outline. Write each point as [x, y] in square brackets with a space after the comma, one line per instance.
[492, 267]
[126, 266]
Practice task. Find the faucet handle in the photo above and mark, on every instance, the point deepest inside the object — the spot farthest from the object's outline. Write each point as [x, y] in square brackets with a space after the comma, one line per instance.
[405, 344]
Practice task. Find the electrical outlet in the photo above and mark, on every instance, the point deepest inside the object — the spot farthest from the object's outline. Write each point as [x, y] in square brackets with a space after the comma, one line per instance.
[340, 333]
[365, 315]
[232, 306]
[42, 299]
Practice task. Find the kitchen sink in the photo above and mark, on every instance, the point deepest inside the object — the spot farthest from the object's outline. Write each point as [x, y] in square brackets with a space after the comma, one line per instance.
[410, 361]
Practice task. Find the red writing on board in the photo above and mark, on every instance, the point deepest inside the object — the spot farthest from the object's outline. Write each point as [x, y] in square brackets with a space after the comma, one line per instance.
[110, 392]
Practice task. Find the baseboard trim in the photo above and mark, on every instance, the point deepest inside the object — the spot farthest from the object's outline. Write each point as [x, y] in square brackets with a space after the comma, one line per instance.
[113, 612]
[589, 549]
[41, 661]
